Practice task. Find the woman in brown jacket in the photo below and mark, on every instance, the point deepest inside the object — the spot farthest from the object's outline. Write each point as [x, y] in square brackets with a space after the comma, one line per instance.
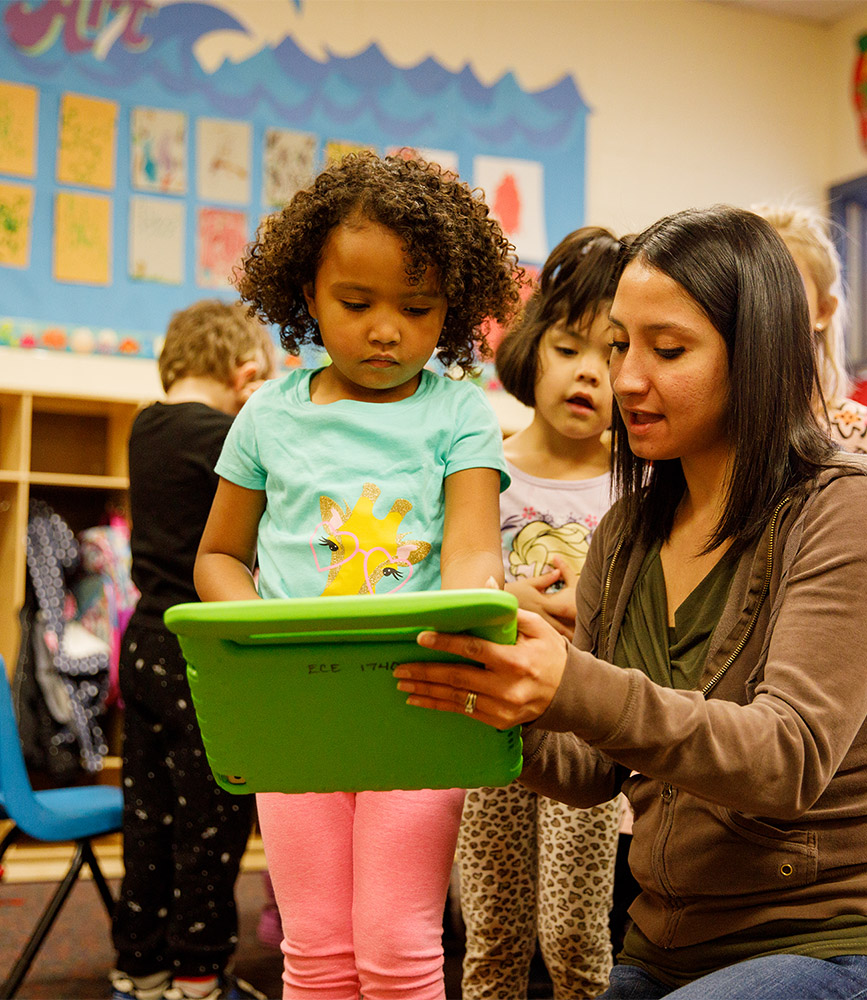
[718, 672]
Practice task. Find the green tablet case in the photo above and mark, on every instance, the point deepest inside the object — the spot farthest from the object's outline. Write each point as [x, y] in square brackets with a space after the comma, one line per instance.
[297, 695]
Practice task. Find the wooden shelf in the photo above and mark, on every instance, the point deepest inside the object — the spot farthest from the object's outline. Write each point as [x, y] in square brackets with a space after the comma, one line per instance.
[69, 449]
[73, 481]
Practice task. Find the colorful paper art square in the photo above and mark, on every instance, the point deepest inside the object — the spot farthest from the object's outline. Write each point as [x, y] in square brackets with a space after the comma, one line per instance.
[288, 164]
[515, 193]
[447, 159]
[16, 214]
[82, 238]
[495, 331]
[156, 240]
[159, 150]
[18, 115]
[86, 141]
[222, 237]
[335, 150]
[223, 151]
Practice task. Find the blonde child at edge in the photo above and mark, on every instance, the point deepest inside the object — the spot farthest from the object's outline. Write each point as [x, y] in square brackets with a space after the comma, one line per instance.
[175, 925]
[370, 475]
[804, 232]
[531, 866]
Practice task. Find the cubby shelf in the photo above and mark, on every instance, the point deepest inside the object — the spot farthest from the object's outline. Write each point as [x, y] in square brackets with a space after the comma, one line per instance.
[68, 449]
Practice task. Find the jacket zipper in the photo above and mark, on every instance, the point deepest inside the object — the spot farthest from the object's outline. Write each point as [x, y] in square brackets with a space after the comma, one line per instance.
[755, 617]
[607, 589]
[668, 796]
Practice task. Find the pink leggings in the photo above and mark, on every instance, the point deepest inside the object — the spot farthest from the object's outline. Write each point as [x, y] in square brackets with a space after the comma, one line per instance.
[361, 880]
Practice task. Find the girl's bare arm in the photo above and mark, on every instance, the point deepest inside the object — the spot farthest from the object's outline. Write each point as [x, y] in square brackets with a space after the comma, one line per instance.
[227, 551]
[471, 550]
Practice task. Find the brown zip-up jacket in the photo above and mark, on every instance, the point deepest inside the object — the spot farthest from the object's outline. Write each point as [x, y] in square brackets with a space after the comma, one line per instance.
[750, 796]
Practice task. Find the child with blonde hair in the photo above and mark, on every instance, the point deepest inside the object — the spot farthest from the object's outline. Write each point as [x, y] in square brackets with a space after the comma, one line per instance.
[805, 233]
[370, 475]
[175, 926]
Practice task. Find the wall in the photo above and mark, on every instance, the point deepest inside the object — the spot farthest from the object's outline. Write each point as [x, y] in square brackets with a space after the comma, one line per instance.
[70, 374]
[691, 102]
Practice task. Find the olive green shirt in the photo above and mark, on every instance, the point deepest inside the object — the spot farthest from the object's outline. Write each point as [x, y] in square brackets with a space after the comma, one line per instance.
[671, 657]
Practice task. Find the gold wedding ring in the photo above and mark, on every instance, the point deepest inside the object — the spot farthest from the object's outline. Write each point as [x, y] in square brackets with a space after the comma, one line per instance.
[470, 703]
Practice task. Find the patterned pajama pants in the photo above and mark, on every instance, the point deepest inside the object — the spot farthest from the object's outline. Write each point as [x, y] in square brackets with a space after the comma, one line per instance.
[183, 836]
[532, 867]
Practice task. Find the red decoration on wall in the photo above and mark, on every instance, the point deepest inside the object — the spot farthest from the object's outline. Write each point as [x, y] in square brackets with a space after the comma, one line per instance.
[507, 205]
[859, 89]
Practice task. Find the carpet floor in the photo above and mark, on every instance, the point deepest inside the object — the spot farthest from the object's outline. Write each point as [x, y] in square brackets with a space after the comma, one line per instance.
[75, 959]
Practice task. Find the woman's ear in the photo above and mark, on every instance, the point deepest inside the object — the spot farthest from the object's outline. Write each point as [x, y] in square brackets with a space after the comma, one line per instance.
[309, 297]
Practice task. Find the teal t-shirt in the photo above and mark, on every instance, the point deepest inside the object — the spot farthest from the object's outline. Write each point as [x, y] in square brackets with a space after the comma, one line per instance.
[355, 498]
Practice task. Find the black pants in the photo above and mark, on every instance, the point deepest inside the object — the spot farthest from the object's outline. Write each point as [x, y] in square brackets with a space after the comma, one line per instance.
[183, 836]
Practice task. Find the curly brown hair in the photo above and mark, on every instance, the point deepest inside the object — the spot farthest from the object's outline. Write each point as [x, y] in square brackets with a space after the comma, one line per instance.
[440, 221]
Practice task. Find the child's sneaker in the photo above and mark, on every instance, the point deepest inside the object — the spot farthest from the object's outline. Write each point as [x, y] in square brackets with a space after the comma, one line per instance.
[239, 989]
[153, 987]
[229, 988]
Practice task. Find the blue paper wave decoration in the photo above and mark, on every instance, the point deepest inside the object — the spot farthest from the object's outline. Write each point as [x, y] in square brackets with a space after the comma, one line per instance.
[286, 84]
[363, 98]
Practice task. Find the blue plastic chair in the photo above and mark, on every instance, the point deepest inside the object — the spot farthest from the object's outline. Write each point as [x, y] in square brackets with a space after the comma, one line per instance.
[53, 816]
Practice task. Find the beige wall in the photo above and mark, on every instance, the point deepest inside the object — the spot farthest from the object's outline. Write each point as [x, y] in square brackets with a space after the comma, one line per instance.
[691, 102]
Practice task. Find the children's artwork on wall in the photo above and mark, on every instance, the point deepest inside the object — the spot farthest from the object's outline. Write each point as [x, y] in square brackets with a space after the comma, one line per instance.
[446, 158]
[82, 238]
[289, 164]
[186, 151]
[514, 191]
[19, 106]
[494, 331]
[336, 149]
[159, 150]
[156, 240]
[16, 211]
[223, 150]
[86, 141]
[222, 236]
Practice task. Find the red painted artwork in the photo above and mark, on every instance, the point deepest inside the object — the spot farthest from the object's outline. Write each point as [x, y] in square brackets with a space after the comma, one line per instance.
[507, 204]
[222, 238]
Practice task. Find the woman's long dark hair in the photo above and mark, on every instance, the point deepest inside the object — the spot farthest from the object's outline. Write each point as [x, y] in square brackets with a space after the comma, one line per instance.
[738, 271]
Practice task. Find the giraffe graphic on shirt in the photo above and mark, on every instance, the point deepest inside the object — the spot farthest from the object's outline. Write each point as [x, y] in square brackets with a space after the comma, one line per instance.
[364, 550]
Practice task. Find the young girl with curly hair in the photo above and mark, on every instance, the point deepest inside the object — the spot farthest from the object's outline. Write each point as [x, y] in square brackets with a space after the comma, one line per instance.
[370, 475]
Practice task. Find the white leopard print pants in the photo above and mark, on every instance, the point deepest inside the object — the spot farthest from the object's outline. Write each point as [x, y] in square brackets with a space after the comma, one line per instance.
[531, 866]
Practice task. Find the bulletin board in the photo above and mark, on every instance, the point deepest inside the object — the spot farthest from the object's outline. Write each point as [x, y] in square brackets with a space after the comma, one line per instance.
[131, 179]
